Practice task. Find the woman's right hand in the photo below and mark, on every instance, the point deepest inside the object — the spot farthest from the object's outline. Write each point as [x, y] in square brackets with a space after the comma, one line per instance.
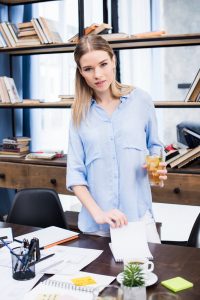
[114, 217]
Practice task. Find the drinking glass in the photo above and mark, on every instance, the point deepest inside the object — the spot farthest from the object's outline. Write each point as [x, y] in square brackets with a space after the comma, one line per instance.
[164, 296]
[110, 292]
[152, 162]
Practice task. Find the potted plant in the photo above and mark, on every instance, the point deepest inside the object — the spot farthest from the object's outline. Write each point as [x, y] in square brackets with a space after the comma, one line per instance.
[133, 283]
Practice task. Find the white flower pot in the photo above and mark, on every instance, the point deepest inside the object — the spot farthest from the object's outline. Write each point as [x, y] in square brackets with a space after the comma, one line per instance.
[134, 293]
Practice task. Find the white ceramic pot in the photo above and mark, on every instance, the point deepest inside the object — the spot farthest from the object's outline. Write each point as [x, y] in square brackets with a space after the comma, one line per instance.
[134, 293]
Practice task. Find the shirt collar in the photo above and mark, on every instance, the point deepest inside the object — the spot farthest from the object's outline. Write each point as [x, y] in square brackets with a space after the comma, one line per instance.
[122, 99]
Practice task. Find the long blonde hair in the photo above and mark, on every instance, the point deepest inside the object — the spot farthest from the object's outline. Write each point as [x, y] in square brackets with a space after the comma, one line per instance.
[83, 92]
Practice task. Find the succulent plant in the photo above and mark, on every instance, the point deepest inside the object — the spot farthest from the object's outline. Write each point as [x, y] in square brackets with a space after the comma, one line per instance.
[133, 275]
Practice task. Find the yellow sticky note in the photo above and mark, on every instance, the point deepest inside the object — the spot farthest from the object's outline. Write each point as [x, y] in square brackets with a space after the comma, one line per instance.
[82, 281]
[177, 284]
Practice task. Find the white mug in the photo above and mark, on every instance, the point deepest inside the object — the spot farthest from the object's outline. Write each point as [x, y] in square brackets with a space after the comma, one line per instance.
[146, 265]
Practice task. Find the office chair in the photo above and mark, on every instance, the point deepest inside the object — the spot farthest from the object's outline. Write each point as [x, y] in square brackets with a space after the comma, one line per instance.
[37, 207]
[194, 238]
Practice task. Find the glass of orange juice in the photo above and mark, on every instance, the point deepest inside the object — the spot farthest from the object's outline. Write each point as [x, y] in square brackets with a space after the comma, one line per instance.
[152, 162]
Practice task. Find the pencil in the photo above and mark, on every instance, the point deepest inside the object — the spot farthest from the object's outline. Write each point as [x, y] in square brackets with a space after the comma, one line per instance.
[41, 259]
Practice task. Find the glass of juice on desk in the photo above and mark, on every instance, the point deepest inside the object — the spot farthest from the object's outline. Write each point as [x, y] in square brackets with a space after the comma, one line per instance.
[153, 164]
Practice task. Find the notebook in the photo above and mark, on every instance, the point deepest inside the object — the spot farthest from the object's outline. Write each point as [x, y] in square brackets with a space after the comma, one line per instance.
[79, 286]
[50, 236]
[130, 242]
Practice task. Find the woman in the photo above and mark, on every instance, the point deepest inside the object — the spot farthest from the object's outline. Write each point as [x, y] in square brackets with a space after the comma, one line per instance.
[113, 127]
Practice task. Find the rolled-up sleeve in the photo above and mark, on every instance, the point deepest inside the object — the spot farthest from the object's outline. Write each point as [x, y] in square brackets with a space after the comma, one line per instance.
[153, 143]
[76, 170]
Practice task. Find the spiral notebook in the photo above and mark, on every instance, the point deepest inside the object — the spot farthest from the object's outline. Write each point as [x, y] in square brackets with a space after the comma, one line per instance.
[79, 286]
[129, 242]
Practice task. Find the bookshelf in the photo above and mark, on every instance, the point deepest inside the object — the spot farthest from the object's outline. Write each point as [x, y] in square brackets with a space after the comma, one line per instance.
[182, 186]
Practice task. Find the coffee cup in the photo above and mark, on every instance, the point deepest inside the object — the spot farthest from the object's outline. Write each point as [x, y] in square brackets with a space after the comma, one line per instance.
[146, 266]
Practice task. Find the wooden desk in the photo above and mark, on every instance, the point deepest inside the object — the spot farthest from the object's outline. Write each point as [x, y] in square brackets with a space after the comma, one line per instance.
[170, 261]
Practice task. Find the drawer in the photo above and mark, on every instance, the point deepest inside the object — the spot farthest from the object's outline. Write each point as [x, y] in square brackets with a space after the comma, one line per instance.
[179, 189]
[13, 175]
[19, 176]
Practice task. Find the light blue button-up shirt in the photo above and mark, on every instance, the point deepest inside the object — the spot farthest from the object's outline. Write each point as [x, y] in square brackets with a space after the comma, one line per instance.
[107, 154]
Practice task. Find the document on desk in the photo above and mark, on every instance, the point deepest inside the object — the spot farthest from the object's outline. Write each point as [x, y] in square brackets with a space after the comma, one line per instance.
[74, 287]
[6, 232]
[130, 242]
[50, 236]
[12, 289]
[67, 260]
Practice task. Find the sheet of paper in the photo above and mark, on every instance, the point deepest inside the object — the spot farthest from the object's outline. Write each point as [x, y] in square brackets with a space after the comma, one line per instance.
[67, 260]
[12, 289]
[49, 235]
[6, 232]
[130, 242]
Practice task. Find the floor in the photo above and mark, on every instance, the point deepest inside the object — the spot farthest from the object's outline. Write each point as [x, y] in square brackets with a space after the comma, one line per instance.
[177, 220]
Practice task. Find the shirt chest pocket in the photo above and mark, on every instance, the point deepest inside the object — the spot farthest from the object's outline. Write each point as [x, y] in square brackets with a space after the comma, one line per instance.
[137, 144]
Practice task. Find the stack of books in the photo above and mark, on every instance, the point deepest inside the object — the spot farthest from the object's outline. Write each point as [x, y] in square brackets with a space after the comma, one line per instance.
[36, 32]
[92, 29]
[8, 91]
[15, 146]
[193, 94]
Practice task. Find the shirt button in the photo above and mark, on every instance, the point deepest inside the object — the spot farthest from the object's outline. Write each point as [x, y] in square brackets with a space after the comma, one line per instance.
[111, 138]
[113, 157]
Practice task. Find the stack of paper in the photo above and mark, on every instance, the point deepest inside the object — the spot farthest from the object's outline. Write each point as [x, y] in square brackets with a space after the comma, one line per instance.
[130, 242]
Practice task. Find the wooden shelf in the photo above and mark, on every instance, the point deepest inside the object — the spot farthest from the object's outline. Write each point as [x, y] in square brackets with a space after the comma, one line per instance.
[17, 2]
[61, 104]
[130, 43]
[176, 104]
[57, 162]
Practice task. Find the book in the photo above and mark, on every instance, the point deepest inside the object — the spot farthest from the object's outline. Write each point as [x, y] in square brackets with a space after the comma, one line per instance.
[149, 34]
[41, 155]
[115, 36]
[177, 284]
[122, 249]
[3, 91]
[191, 154]
[194, 89]
[39, 31]
[6, 39]
[12, 90]
[180, 153]
[50, 29]
[16, 140]
[8, 34]
[78, 286]
[24, 25]
[92, 29]
[192, 138]
[50, 236]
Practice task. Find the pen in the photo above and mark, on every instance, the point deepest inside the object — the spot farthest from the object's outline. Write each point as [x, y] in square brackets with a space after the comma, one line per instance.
[3, 237]
[41, 259]
[18, 241]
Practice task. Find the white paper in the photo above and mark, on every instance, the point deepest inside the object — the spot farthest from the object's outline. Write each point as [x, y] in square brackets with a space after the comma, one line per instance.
[6, 232]
[12, 289]
[67, 260]
[49, 235]
[130, 242]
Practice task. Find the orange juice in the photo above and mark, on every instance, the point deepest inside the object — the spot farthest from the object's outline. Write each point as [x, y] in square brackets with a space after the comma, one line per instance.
[153, 162]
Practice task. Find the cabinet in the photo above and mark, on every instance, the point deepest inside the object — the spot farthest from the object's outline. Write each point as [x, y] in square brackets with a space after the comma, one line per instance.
[182, 186]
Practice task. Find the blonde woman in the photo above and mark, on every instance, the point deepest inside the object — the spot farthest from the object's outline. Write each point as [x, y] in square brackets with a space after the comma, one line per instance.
[112, 129]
